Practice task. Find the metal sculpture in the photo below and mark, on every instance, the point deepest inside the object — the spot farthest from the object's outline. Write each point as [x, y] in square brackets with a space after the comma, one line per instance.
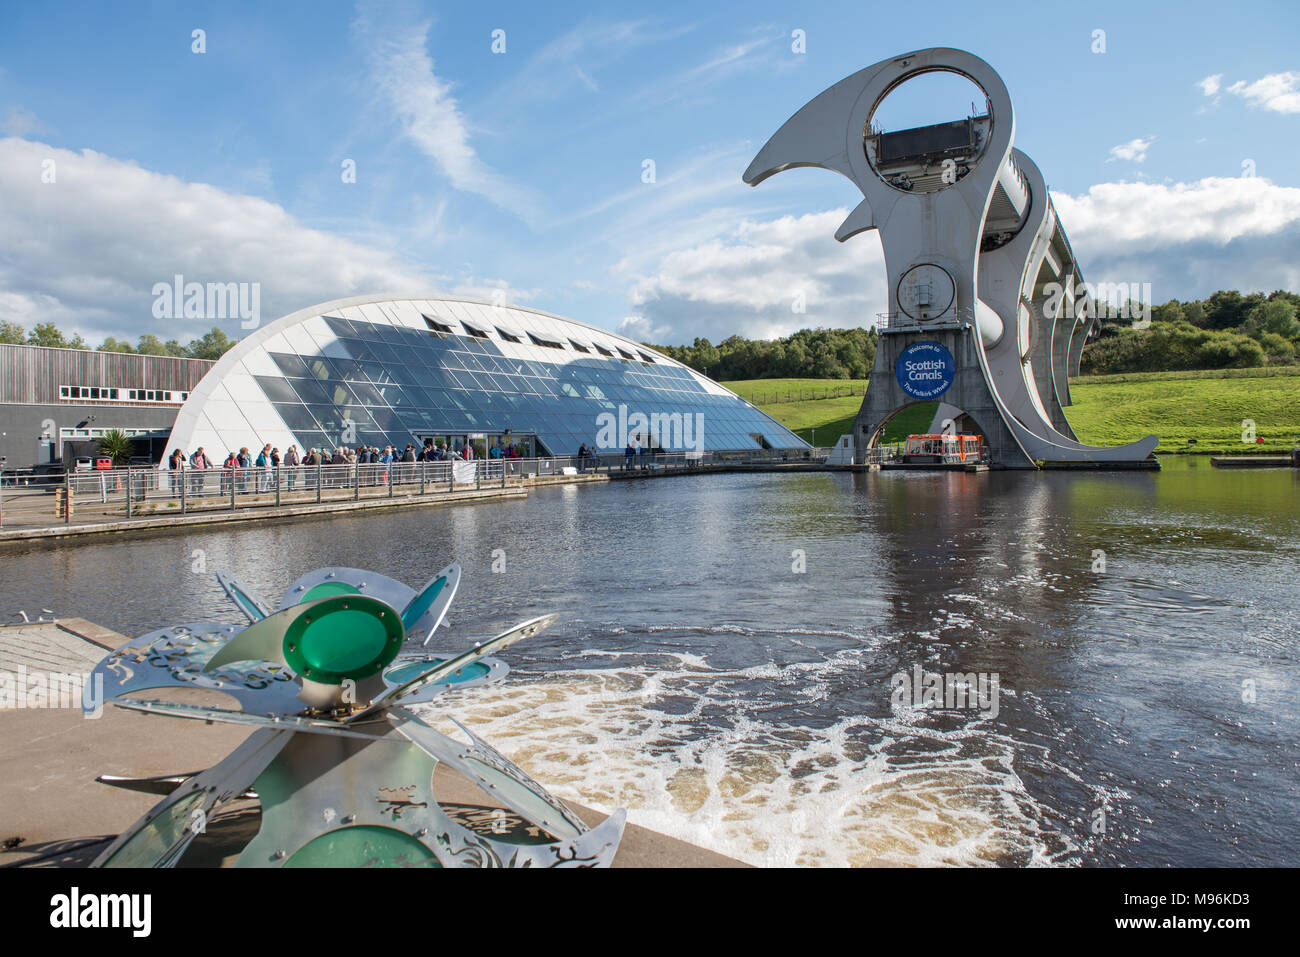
[983, 309]
[341, 765]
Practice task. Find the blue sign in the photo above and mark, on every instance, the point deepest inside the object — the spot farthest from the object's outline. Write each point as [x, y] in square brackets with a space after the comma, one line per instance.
[925, 369]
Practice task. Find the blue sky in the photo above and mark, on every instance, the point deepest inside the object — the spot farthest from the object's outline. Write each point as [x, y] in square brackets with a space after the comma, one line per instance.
[520, 173]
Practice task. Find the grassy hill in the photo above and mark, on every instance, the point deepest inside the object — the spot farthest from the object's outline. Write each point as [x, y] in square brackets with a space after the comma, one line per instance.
[798, 405]
[1208, 406]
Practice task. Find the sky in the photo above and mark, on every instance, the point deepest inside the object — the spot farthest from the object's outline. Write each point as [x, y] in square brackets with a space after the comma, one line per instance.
[586, 159]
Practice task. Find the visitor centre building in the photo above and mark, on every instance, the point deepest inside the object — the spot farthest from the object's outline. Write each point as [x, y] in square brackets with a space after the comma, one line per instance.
[383, 371]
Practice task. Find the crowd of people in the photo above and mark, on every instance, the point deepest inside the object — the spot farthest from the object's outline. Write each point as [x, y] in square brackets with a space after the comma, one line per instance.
[243, 472]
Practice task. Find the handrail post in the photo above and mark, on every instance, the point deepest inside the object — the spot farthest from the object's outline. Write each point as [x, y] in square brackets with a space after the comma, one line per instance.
[356, 480]
[423, 466]
[67, 498]
[277, 486]
[173, 472]
[318, 477]
[391, 470]
[128, 493]
[234, 480]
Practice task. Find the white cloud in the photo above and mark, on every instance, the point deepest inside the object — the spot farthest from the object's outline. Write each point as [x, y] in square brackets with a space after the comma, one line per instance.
[750, 281]
[1134, 149]
[1159, 216]
[85, 250]
[496, 291]
[1279, 92]
[1210, 85]
[1186, 239]
[430, 116]
[20, 121]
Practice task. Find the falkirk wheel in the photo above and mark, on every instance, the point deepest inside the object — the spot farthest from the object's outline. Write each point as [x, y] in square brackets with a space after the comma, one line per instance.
[983, 312]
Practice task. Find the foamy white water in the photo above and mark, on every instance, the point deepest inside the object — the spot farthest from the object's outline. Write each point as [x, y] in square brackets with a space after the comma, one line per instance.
[690, 754]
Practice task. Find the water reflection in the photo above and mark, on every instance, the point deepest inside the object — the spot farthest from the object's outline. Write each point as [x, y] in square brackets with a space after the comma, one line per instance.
[728, 698]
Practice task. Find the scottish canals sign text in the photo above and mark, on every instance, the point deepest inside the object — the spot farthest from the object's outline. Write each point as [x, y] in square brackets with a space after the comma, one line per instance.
[925, 370]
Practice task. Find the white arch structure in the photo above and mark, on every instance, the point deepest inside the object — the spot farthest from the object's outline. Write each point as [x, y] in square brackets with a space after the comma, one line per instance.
[573, 372]
[972, 247]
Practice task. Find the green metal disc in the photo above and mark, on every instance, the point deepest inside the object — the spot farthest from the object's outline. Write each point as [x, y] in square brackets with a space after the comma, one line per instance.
[363, 845]
[348, 636]
[329, 589]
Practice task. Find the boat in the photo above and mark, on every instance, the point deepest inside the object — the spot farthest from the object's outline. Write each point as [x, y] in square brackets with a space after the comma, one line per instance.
[942, 448]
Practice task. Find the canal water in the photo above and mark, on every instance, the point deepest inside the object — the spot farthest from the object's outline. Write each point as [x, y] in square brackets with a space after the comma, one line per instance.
[725, 665]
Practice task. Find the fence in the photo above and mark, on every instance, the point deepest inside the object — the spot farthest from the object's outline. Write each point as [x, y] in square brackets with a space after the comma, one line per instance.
[780, 397]
[31, 498]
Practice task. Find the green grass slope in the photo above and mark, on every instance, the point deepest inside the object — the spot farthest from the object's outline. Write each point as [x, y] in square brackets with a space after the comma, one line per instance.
[1208, 406]
[1180, 406]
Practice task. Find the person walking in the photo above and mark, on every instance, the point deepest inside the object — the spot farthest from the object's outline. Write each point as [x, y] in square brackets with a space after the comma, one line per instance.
[291, 462]
[262, 463]
[176, 463]
[228, 474]
[199, 462]
[245, 462]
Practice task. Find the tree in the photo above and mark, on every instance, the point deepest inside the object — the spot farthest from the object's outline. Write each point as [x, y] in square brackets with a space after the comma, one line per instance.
[151, 345]
[1277, 316]
[12, 334]
[114, 345]
[47, 334]
[216, 344]
[116, 445]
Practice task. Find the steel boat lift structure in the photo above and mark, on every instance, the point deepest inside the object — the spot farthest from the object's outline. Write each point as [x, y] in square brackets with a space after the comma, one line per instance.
[981, 275]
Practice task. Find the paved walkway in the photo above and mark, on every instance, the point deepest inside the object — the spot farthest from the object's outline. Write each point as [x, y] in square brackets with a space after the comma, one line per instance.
[28, 522]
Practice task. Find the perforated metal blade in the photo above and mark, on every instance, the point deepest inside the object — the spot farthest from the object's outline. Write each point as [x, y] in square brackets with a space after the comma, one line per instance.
[245, 600]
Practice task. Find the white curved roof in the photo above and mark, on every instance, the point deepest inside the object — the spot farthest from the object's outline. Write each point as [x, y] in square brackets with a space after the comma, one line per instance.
[228, 409]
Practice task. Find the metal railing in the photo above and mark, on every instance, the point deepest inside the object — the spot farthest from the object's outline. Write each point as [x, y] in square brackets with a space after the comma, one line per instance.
[31, 498]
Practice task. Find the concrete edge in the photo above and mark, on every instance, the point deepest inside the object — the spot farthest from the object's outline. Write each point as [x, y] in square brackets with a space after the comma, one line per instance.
[254, 513]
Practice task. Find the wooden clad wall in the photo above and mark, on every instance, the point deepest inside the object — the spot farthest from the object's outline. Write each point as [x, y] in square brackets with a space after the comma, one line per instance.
[33, 374]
